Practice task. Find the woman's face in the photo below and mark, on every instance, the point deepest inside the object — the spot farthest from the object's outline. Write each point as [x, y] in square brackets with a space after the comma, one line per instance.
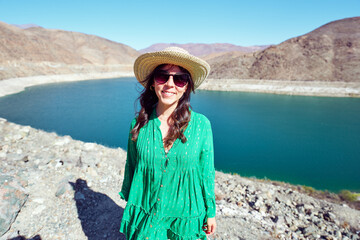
[168, 93]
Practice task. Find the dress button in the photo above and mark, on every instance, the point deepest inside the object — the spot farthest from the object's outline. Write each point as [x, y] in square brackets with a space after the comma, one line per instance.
[161, 185]
[158, 199]
[154, 213]
[164, 170]
[150, 225]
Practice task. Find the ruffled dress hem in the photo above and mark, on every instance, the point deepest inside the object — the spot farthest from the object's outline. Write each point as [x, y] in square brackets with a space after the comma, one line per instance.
[143, 221]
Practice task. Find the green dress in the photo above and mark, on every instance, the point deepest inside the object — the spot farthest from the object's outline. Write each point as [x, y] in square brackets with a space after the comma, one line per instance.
[169, 195]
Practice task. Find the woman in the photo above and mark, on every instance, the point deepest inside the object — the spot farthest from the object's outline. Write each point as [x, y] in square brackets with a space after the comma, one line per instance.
[169, 172]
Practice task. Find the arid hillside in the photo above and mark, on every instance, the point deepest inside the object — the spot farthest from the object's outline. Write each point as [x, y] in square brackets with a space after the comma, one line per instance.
[202, 49]
[329, 53]
[39, 51]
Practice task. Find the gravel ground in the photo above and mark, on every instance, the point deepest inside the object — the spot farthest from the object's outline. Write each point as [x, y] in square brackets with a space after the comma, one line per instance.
[54, 187]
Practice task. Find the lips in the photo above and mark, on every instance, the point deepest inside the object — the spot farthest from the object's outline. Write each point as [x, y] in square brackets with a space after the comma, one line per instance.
[167, 93]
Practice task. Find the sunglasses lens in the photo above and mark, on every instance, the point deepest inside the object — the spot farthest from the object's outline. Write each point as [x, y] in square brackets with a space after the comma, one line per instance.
[181, 80]
[161, 78]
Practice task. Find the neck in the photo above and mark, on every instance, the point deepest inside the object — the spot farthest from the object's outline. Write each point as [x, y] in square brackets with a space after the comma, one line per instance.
[164, 111]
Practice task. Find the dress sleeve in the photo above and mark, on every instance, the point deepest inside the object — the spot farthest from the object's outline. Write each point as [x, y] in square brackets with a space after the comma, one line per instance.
[208, 170]
[129, 166]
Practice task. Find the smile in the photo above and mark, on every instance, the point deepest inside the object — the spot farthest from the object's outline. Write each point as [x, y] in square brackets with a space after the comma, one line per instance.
[166, 93]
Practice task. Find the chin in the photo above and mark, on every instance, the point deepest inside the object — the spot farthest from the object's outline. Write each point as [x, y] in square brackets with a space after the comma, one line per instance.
[169, 102]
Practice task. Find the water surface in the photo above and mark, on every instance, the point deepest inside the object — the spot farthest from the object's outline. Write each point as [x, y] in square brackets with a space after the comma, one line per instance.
[303, 140]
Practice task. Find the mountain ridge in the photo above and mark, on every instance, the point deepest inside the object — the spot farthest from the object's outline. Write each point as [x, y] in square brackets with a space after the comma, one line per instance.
[39, 51]
[328, 53]
[204, 49]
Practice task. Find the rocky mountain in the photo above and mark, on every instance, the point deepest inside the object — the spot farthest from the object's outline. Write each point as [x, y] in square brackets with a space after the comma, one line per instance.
[202, 49]
[329, 53]
[25, 26]
[38, 51]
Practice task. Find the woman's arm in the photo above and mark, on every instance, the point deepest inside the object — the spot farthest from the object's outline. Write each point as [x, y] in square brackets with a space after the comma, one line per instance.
[208, 170]
[208, 177]
[129, 167]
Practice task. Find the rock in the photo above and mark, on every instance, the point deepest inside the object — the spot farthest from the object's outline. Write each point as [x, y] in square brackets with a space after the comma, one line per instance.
[89, 146]
[38, 200]
[62, 141]
[39, 209]
[12, 197]
[310, 231]
[2, 155]
[69, 179]
[64, 186]
[338, 234]
[16, 137]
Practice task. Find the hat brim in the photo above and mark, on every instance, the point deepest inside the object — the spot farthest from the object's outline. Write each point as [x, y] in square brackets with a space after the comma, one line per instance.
[146, 63]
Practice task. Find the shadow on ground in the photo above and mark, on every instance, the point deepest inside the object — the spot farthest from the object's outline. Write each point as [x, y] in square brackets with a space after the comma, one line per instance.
[99, 215]
[37, 237]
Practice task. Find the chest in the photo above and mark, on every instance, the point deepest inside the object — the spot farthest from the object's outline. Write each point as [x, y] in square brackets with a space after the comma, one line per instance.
[151, 151]
[164, 129]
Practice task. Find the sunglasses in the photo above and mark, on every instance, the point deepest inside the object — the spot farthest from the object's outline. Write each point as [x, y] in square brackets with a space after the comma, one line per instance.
[180, 79]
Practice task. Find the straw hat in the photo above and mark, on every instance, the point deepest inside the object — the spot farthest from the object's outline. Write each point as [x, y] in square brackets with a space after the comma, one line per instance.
[146, 63]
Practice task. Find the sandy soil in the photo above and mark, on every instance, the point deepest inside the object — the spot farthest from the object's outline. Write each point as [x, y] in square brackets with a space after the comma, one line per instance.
[305, 88]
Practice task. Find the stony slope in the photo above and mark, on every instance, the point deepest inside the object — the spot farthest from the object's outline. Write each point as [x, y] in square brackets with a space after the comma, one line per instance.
[202, 49]
[37, 51]
[54, 187]
[25, 26]
[329, 53]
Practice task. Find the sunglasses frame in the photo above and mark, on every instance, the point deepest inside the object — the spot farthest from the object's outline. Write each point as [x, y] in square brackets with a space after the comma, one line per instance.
[176, 78]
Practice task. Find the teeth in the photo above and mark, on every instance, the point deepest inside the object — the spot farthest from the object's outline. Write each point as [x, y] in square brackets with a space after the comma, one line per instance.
[168, 93]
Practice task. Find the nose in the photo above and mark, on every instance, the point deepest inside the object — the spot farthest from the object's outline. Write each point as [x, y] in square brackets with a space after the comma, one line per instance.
[170, 81]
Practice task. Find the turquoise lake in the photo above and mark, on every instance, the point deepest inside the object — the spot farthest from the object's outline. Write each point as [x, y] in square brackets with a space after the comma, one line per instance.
[312, 141]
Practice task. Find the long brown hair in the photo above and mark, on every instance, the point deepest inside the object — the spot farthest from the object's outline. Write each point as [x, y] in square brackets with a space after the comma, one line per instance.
[179, 118]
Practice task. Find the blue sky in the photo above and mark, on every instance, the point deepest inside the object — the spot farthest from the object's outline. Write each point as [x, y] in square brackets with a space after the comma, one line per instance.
[142, 23]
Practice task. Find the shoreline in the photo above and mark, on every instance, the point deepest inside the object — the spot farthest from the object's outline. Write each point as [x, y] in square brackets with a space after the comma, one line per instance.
[16, 85]
[285, 87]
[55, 186]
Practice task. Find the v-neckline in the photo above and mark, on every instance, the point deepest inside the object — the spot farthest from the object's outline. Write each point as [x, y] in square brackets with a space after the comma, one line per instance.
[158, 124]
